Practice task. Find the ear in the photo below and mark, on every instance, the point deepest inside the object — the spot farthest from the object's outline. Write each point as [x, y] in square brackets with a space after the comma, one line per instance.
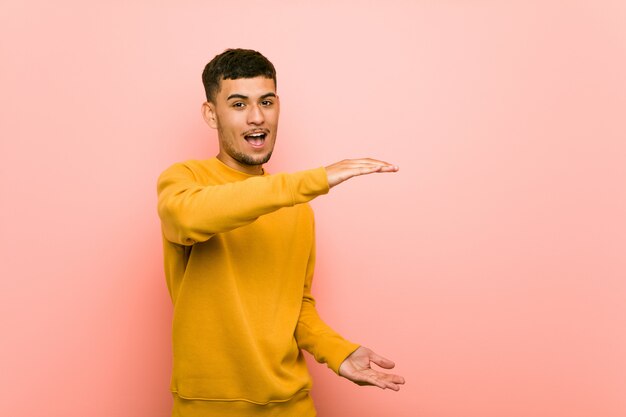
[209, 115]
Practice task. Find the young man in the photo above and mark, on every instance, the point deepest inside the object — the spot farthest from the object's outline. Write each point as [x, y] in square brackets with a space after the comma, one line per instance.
[239, 255]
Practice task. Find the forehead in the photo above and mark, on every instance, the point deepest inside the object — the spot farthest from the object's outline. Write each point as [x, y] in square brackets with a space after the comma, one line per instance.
[249, 87]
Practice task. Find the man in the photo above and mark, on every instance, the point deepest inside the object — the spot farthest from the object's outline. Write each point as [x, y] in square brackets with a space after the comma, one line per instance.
[239, 257]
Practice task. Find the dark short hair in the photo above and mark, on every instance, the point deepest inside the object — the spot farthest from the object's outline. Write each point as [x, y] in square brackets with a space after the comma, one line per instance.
[233, 64]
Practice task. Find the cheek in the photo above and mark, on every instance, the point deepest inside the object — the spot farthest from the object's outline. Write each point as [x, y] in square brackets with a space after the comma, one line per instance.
[272, 118]
[230, 123]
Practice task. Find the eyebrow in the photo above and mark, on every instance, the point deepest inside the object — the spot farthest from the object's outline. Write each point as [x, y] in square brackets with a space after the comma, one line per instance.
[241, 96]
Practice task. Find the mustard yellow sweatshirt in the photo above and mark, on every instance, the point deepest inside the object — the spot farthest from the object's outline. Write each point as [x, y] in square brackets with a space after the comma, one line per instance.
[239, 254]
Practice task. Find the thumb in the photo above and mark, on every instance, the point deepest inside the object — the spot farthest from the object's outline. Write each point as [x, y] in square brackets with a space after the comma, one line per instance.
[382, 362]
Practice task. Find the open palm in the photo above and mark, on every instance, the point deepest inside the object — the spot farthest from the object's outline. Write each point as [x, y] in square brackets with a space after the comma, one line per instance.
[357, 368]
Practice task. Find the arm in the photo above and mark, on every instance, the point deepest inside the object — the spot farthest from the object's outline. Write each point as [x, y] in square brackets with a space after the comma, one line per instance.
[347, 359]
[191, 212]
[315, 336]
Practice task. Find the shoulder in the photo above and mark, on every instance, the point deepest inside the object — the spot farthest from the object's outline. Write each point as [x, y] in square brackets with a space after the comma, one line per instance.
[191, 165]
[191, 169]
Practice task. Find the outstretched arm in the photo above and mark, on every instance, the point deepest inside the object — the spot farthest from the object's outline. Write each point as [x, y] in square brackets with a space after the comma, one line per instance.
[357, 368]
[192, 211]
[193, 208]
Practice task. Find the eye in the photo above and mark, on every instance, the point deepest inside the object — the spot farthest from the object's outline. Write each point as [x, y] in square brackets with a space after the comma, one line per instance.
[238, 105]
[267, 103]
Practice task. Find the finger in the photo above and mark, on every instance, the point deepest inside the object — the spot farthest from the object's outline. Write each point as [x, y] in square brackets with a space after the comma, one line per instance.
[390, 168]
[386, 167]
[382, 362]
[393, 387]
[372, 380]
[365, 169]
[397, 379]
[393, 381]
[374, 167]
[393, 378]
[371, 161]
[385, 381]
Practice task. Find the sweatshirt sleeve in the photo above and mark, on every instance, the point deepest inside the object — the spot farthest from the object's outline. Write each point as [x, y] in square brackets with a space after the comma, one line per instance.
[191, 212]
[315, 336]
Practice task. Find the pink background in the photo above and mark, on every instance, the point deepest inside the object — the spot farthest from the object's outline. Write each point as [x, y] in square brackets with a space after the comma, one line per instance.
[491, 268]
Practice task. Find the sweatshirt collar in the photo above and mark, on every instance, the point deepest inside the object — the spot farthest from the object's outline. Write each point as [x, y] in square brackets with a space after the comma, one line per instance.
[233, 173]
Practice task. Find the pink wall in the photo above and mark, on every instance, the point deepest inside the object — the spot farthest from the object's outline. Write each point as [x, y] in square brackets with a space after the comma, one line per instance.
[491, 267]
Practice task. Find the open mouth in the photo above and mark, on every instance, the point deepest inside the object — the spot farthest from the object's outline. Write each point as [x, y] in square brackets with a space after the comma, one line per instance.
[256, 139]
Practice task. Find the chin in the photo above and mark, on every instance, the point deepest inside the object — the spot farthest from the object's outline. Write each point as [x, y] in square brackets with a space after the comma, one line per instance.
[255, 160]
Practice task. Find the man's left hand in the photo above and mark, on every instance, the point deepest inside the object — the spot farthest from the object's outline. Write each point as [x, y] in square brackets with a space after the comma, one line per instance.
[357, 368]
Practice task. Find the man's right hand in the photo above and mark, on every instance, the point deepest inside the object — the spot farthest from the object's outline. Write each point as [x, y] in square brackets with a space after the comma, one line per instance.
[348, 168]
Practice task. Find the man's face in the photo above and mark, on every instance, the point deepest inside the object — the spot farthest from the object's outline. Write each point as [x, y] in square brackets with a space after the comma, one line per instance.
[245, 114]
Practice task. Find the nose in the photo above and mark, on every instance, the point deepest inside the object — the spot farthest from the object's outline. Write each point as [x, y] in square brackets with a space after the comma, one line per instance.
[255, 115]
